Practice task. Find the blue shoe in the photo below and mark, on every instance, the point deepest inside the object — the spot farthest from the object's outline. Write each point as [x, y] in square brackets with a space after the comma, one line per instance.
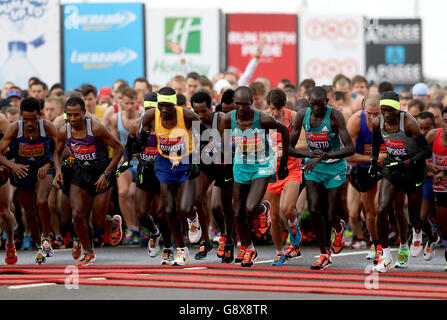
[295, 234]
[26, 243]
[280, 259]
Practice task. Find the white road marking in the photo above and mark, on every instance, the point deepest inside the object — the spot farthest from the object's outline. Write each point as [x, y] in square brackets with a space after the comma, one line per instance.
[97, 278]
[34, 285]
[196, 268]
[351, 253]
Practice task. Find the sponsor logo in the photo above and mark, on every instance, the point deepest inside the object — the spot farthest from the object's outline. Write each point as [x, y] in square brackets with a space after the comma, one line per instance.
[392, 33]
[185, 31]
[394, 55]
[325, 129]
[97, 22]
[102, 60]
[397, 74]
[31, 150]
[19, 10]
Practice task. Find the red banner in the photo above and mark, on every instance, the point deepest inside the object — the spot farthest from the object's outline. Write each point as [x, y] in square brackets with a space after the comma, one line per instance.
[279, 59]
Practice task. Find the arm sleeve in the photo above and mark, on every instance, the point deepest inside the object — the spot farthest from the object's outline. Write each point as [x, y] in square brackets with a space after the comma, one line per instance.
[376, 144]
[425, 152]
[248, 73]
[128, 148]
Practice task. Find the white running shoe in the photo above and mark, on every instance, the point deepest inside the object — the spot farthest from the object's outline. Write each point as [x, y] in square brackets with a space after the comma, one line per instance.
[153, 246]
[182, 257]
[168, 256]
[384, 265]
[429, 250]
[359, 244]
[47, 250]
[195, 232]
[416, 247]
[371, 253]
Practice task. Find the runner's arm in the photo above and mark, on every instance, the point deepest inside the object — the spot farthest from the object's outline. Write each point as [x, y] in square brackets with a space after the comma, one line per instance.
[293, 139]
[426, 152]
[60, 147]
[10, 133]
[376, 139]
[252, 65]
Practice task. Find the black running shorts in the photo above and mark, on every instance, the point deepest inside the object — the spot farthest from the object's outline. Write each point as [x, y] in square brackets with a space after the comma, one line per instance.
[411, 179]
[361, 180]
[86, 179]
[146, 178]
[221, 174]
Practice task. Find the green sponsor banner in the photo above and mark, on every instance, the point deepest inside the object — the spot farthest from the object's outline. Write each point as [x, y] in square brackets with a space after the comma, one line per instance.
[185, 31]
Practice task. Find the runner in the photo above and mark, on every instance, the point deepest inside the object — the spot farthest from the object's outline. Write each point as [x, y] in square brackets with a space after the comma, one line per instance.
[173, 165]
[92, 174]
[404, 168]
[29, 141]
[211, 171]
[7, 219]
[148, 201]
[360, 128]
[283, 194]
[254, 167]
[324, 170]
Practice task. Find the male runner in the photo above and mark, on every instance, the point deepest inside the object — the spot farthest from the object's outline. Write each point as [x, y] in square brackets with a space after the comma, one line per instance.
[324, 170]
[283, 194]
[6, 217]
[212, 171]
[254, 166]
[404, 168]
[173, 165]
[148, 201]
[92, 174]
[29, 141]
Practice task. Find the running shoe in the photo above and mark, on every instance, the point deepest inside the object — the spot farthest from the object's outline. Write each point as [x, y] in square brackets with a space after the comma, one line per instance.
[280, 259]
[240, 254]
[416, 247]
[86, 259]
[167, 256]
[292, 252]
[228, 253]
[195, 231]
[371, 253]
[250, 257]
[47, 250]
[128, 237]
[182, 257]
[323, 262]
[205, 248]
[295, 234]
[76, 249]
[11, 257]
[221, 249]
[26, 243]
[429, 250]
[384, 265]
[135, 237]
[402, 259]
[153, 247]
[265, 220]
[40, 257]
[379, 254]
[58, 242]
[339, 239]
[117, 234]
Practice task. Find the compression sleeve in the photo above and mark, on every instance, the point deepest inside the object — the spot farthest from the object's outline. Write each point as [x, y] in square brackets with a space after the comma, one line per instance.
[376, 144]
[128, 148]
[425, 152]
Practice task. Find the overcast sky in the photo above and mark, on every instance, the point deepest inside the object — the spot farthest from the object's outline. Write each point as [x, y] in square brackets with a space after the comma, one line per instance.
[432, 12]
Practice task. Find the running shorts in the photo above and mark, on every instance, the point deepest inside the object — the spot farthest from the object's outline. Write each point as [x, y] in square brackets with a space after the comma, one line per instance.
[277, 187]
[86, 179]
[428, 190]
[29, 182]
[361, 180]
[441, 199]
[221, 174]
[146, 179]
[246, 173]
[167, 173]
[331, 175]
[411, 179]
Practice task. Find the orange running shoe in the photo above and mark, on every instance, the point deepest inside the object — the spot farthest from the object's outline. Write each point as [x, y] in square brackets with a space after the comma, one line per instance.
[76, 250]
[323, 262]
[240, 254]
[339, 239]
[117, 234]
[250, 257]
[379, 255]
[86, 259]
[11, 257]
[221, 249]
[265, 220]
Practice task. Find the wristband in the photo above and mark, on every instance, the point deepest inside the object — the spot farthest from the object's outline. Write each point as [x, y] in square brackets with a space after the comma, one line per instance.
[107, 175]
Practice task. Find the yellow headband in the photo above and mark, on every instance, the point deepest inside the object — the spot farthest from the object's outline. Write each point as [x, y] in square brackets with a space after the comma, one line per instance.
[65, 116]
[390, 102]
[150, 104]
[169, 99]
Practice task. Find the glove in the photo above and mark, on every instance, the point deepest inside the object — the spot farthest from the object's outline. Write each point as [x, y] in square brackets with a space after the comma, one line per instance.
[123, 168]
[374, 169]
[395, 166]
[193, 171]
[283, 172]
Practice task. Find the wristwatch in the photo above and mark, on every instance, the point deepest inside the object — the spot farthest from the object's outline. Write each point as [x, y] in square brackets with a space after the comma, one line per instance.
[326, 156]
[107, 175]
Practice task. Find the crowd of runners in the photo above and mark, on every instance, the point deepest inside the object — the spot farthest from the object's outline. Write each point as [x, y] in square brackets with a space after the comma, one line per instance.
[222, 162]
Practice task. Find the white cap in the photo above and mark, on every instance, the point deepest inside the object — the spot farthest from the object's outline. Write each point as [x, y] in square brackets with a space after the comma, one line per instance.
[220, 84]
